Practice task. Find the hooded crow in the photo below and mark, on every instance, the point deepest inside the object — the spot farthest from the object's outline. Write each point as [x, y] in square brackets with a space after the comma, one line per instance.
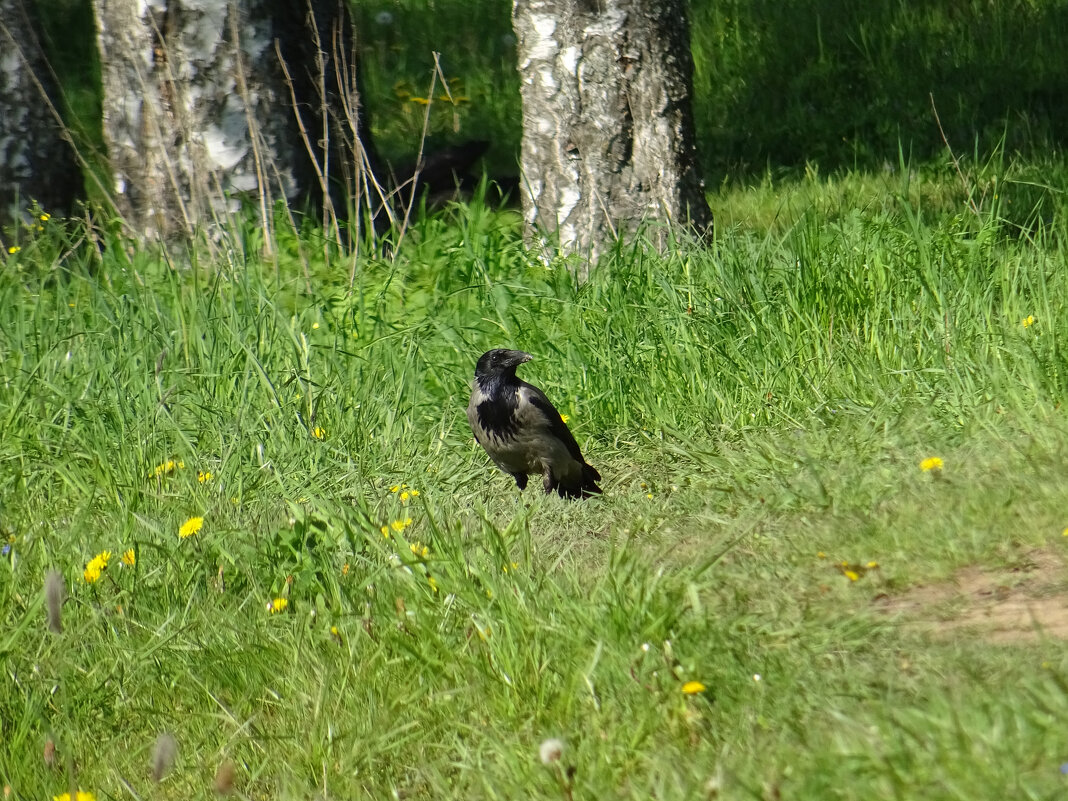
[521, 430]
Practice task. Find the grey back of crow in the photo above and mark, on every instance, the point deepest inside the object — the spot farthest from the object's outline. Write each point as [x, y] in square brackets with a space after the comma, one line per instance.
[522, 431]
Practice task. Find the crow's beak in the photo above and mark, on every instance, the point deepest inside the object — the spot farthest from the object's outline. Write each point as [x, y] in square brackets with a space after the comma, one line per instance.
[518, 357]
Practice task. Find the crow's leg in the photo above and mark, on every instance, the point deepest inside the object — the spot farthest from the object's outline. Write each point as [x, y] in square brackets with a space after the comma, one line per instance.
[520, 480]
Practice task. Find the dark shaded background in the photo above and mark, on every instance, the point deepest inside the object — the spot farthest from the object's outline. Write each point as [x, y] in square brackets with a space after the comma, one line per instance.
[780, 84]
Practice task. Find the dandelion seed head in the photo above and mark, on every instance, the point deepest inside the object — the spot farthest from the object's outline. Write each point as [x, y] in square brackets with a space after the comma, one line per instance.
[551, 750]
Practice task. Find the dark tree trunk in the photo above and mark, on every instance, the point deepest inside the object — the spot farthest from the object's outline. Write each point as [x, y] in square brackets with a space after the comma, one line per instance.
[199, 106]
[608, 140]
[36, 160]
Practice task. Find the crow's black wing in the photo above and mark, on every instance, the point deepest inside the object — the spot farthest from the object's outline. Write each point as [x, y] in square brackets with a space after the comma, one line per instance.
[557, 427]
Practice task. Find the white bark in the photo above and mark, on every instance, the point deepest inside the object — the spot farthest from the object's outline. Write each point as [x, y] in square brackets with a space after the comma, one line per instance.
[608, 142]
[197, 112]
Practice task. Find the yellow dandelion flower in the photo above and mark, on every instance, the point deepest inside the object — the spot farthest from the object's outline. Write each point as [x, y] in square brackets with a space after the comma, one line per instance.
[419, 549]
[335, 633]
[277, 605]
[45, 217]
[166, 467]
[400, 525]
[385, 531]
[96, 566]
[872, 565]
[315, 326]
[433, 584]
[693, 688]
[1027, 321]
[205, 475]
[821, 555]
[404, 496]
[345, 569]
[931, 463]
[852, 575]
[1064, 533]
[397, 488]
[14, 249]
[129, 557]
[81, 795]
[565, 417]
[319, 432]
[422, 101]
[190, 527]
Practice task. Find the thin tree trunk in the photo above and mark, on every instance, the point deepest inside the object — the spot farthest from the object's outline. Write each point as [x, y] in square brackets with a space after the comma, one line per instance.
[36, 159]
[608, 140]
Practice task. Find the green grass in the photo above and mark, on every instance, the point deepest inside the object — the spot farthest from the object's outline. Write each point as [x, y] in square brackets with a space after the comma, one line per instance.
[752, 405]
[779, 87]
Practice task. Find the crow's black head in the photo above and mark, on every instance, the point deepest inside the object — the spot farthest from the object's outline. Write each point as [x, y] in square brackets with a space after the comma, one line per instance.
[500, 362]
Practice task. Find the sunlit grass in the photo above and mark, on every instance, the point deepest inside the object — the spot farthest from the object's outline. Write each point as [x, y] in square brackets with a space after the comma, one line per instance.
[316, 582]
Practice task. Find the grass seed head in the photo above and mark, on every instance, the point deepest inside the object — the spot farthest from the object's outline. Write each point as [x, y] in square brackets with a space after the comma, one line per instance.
[54, 600]
[164, 753]
[224, 778]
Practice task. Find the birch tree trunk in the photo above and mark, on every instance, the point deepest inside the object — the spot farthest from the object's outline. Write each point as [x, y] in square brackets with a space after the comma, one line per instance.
[608, 140]
[199, 112]
[36, 161]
